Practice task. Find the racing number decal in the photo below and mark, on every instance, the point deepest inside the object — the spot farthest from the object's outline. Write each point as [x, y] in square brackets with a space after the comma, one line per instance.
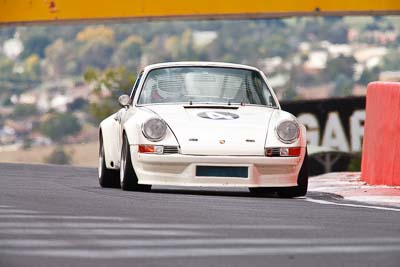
[216, 115]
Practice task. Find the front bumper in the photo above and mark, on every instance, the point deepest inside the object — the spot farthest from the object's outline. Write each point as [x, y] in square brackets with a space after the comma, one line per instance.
[180, 170]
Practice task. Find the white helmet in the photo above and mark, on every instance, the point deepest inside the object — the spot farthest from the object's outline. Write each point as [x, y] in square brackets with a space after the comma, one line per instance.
[170, 86]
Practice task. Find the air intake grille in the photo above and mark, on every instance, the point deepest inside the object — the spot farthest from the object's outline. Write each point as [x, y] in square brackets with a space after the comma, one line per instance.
[171, 150]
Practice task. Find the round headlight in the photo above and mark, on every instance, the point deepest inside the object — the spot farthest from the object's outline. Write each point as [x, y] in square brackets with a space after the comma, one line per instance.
[288, 131]
[154, 129]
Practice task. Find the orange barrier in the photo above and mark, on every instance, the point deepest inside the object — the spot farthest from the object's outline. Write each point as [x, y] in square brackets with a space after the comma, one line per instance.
[381, 146]
[61, 11]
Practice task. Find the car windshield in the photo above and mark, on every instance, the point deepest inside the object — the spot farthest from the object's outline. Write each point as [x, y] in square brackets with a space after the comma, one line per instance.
[205, 85]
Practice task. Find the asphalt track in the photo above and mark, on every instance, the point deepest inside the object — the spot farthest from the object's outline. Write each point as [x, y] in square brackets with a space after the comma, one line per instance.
[59, 216]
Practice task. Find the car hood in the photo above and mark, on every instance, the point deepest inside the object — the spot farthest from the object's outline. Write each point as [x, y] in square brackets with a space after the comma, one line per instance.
[208, 130]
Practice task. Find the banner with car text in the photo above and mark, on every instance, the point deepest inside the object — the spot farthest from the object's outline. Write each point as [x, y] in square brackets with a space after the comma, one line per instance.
[335, 122]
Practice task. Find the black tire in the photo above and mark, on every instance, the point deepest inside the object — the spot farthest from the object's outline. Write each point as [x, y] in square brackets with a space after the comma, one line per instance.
[302, 183]
[128, 178]
[262, 191]
[107, 177]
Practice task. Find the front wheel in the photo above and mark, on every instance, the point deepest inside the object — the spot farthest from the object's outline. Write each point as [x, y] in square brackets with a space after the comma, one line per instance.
[302, 183]
[107, 177]
[261, 191]
[128, 178]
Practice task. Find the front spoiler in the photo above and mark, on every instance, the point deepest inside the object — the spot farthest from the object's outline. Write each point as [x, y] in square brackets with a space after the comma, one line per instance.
[180, 170]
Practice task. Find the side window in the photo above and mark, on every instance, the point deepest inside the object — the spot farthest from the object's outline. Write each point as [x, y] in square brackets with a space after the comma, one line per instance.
[136, 85]
[268, 99]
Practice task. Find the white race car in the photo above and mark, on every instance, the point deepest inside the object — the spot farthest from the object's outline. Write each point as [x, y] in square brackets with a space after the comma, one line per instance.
[203, 124]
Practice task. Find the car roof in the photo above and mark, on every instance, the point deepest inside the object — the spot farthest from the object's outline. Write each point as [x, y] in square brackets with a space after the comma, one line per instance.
[198, 64]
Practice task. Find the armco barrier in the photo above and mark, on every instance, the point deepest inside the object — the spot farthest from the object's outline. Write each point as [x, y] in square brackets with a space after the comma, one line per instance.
[381, 146]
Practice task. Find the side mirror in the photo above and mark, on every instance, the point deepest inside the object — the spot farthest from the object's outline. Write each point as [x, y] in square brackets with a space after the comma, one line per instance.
[124, 100]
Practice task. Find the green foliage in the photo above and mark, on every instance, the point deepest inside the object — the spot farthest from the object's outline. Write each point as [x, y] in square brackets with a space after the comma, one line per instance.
[337, 34]
[355, 163]
[343, 85]
[57, 52]
[289, 94]
[36, 44]
[5, 99]
[6, 33]
[96, 46]
[132, 46]
[59, 125]
[278, 46]
[391, 62]
[369, 75]
[380, 23]
[6, 67]
[18, 82]
[95, 54]
[27, 144]
[106, 87]
[62, 58]
[58, 156]
[102, 109]
[101, 34]
[32, 67]
[341, 65]
[24, 110]
[78, 104]
[129, 52]
[332, 29]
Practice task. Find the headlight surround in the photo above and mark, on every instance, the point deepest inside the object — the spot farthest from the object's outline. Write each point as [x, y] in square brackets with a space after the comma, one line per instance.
[288, 131]
[154, 129]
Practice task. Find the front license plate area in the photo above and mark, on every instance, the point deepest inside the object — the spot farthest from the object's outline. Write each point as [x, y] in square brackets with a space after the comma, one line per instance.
[222, 171]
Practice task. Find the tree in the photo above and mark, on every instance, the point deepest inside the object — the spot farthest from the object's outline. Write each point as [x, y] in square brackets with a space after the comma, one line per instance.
[106, 87]
[129, 52]
[95, 47]
[337, 33]
[391, 61]
[58, 156]
[32, 67]
[59, 125]
[6, 68]
[98, 33]
[355, 162]
[61, 58]
[342, 65]
[380, 24]
[343, 86]
[36, 44]
[6, 33]
[78, 104]
[369, 75]
[95, 54]
[24, 110]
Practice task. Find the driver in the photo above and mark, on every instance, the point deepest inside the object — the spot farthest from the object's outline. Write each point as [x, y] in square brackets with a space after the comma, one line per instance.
[171, 88]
